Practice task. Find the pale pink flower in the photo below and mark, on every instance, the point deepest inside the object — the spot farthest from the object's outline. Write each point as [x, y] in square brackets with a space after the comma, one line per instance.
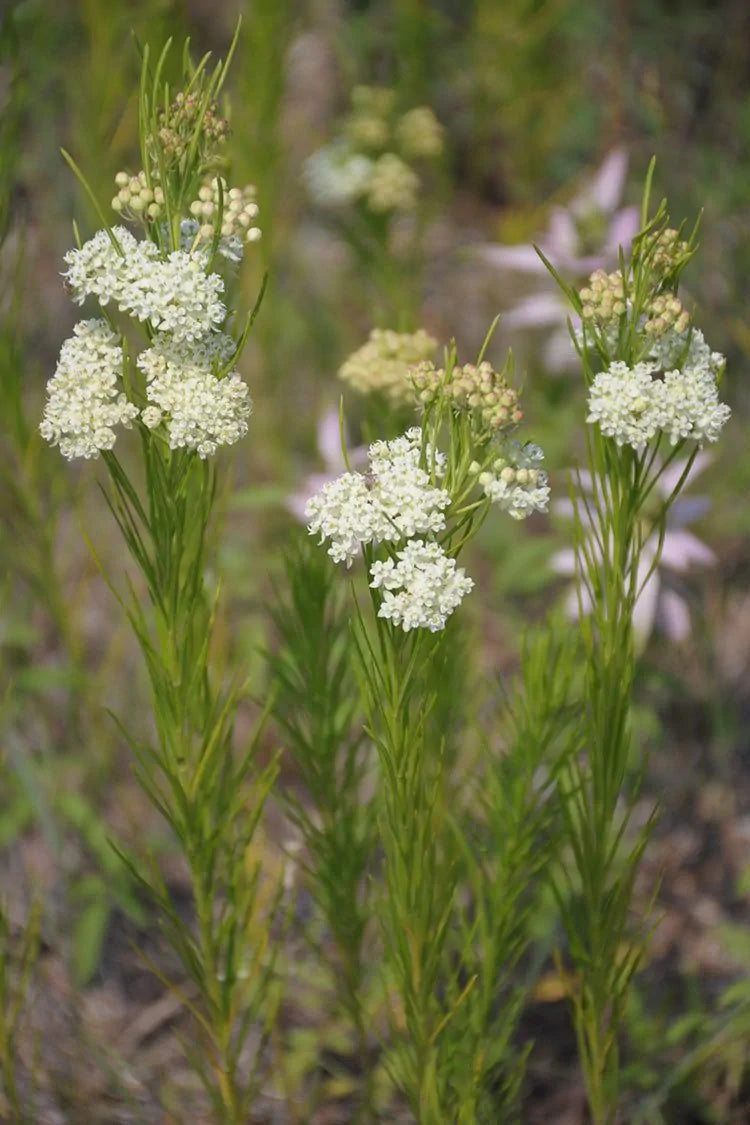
[659, 604]
[580, 238]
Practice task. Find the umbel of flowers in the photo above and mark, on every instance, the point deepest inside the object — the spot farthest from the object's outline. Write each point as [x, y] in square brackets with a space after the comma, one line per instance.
[659, 375]
[419, 505]
[375, 159]
[183, 387]
[382, 364]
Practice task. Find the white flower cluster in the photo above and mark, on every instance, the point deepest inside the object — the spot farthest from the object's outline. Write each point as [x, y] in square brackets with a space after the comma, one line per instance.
[200, 411]
[370, 161]
[674, 392]
[336, 175]
[419, 133]
[394, 500]
[516, 482]
[175, 294]
[392, 185]
[422, 589]
[84, 404]
[189, 388]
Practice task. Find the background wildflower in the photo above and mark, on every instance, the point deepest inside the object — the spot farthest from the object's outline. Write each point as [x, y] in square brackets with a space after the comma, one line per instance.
[383, 363]
[581, 237]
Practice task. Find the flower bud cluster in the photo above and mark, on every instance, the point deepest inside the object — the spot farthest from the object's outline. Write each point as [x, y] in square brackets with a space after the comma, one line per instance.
[471, 387]
[368, 124]
[178, 123]
[420, 134]
[392, 186]
[383, 363]
[604, 298]
[666, 313]
[673, 392]
[515, 480]
[240, 209]
[135, 199]
[669, 250]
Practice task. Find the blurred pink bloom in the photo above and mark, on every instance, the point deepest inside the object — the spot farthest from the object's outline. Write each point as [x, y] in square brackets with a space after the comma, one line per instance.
[329, 448]
[657, 605]
[580, 238]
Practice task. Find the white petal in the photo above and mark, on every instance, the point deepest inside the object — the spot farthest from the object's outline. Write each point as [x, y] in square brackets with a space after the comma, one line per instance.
[622, 230]
[561, 242]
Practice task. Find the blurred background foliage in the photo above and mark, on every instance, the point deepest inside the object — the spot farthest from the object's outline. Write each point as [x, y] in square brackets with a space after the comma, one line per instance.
[533, 96]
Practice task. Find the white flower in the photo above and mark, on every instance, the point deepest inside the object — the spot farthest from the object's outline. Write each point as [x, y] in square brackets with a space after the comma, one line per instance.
[151, 416]
[422, 589]
[516, 483]
[686, 350]
[84, 404]
[201, 411]
[623, 402]
[337, 175]
[395, 500]
[174, 293]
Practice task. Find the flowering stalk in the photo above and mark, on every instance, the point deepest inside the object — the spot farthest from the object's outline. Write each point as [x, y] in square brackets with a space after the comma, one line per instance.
[652, 385]
[370, 178]
[411, 514]
[186, 400]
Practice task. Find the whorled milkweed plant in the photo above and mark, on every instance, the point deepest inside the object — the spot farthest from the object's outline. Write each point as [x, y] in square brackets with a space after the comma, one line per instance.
[409, 514]
[159, 357]
[652, 383]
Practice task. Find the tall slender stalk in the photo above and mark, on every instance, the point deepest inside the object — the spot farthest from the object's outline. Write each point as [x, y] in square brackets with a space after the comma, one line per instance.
[185, 401]
[652, 384]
